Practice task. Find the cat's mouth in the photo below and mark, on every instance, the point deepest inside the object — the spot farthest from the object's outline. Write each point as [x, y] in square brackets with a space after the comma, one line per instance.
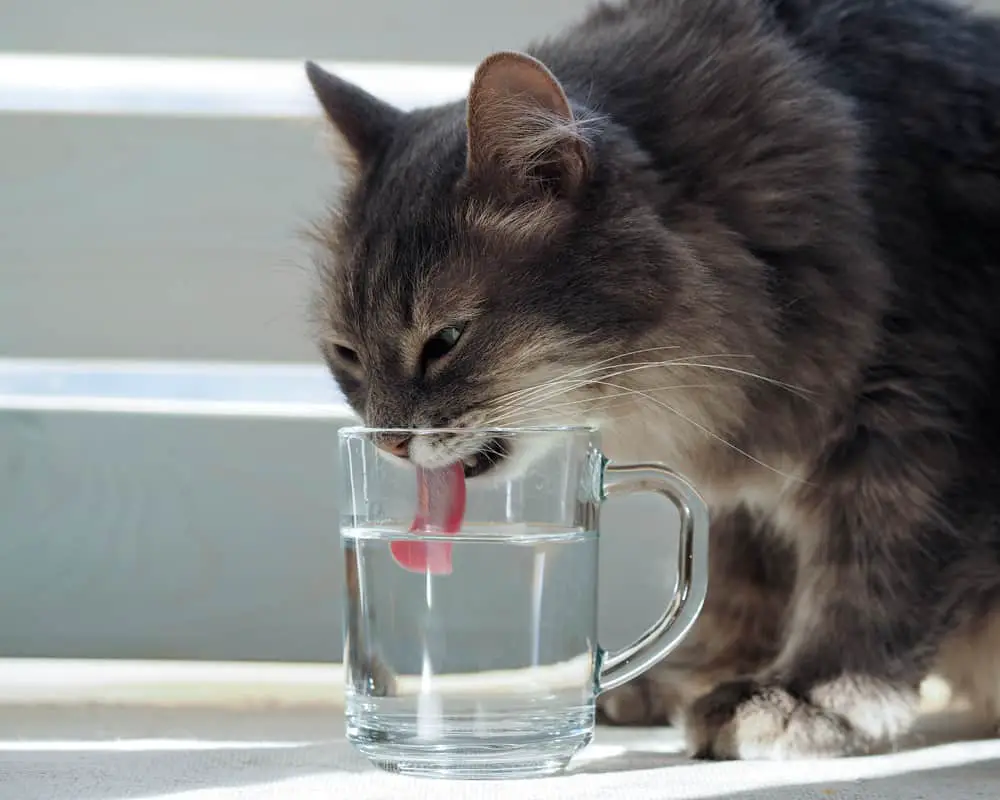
[486, 458]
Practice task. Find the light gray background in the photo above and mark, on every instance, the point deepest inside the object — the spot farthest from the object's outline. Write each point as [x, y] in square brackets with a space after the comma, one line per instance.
[162, 238]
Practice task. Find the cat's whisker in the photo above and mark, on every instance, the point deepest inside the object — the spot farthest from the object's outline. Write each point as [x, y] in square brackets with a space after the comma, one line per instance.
[530, 390]
[608, 363]
[534, 401]
[545, 414]
[516, 412]
[512, 418]
[600, 402]
[545, 390]
[619, 357]
[717, 367]
[584, 372]
[686, 362]
[581, 376]
[562, 384]
[556, 387]
[593, 366]
[537, 409]
[796, 390]
[713, 435]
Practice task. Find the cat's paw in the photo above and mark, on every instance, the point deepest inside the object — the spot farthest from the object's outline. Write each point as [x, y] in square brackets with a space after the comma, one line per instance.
[643, 701]
[746, 719]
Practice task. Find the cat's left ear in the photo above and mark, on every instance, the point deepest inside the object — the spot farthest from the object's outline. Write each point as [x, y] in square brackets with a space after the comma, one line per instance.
[522, 128]
[365, 122]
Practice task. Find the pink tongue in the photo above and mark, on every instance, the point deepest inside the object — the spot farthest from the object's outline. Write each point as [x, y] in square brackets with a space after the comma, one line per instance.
[440, 509]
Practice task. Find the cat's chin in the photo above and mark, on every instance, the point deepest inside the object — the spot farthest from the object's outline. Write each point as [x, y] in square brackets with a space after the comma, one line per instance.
[485, 459]
[493, 460]
[479, 455]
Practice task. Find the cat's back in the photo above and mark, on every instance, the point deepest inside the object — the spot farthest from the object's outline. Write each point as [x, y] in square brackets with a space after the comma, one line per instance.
[922, 78]
[922, 75]
[936, 59]
[921, 70]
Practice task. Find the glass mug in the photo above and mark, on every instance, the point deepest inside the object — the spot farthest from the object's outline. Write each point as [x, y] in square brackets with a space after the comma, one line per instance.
[493, 669]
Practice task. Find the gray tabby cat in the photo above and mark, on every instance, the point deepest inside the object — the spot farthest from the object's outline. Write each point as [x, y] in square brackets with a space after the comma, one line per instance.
[758, 240]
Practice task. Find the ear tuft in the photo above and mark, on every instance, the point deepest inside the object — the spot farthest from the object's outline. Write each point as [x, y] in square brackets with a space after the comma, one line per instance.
[365, 122]
[522, 127]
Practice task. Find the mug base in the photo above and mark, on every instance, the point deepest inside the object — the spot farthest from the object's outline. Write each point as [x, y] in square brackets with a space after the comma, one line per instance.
[474, 761]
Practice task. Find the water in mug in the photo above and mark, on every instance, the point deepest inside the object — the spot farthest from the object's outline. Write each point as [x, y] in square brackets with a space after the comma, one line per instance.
[493, 663]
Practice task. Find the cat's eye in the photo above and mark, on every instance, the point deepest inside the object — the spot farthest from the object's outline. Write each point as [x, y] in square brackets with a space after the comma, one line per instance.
[346, 354]
[439, 345]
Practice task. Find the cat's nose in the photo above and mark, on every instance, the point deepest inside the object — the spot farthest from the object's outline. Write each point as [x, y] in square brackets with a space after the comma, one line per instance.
[397, 444]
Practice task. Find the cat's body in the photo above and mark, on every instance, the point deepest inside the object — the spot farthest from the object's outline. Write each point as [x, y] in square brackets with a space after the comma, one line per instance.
[769, 228]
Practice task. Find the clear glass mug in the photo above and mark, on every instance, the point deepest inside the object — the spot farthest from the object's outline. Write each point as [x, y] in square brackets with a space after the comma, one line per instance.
[493, 669]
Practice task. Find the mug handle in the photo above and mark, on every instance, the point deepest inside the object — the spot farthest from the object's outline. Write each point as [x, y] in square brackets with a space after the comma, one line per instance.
[655, 644]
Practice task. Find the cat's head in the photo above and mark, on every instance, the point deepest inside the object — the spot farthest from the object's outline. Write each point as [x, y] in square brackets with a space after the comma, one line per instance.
[482, 261]
[503, 261]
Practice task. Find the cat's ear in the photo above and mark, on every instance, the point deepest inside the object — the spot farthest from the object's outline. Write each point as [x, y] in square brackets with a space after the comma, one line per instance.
[522, 128]
[364, 121]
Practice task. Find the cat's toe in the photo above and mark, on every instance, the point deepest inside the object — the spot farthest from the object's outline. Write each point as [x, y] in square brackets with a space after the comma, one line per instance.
[643, 701]
[750, 720]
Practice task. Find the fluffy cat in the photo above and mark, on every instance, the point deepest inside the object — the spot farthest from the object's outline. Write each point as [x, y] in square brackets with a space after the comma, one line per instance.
[756, 240]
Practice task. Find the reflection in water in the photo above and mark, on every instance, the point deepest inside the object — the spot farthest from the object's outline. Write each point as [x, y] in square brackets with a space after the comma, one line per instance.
[429, 708]
[537, 587]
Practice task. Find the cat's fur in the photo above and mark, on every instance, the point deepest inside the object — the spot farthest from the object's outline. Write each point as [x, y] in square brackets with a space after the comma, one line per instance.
[798, 202]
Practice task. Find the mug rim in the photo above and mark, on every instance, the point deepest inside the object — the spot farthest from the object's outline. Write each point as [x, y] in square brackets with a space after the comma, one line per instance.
[362, 430]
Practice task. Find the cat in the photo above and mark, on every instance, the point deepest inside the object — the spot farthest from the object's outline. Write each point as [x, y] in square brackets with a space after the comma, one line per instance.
[756, 240]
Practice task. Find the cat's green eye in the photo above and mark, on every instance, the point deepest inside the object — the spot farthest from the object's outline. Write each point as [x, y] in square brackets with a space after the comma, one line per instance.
[440, 344]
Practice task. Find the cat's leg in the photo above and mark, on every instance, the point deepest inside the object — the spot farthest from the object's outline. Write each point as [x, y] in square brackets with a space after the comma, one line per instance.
[739, 630]
[861, 628]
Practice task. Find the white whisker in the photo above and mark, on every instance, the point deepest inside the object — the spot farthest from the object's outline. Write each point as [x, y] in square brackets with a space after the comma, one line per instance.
[581, 376]
[714, 435]
[595, 365]
[539, 410]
